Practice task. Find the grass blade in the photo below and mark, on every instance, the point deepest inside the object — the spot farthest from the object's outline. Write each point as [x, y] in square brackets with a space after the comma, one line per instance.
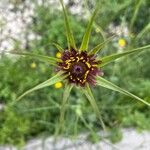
[90, 97]
[100, 46]
[50, 60]
[107, 59]
[104, 83]
[146, 29]
[70, 38]
[133, 19]
[46, 108]
[86, 37]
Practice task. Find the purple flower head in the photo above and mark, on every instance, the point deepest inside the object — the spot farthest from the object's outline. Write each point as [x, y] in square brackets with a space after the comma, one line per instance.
[80, 67]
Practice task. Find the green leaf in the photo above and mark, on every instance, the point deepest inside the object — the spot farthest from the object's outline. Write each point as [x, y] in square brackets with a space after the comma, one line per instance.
[107, 59]
[134, 16]
[66, 94]
[70, 38]
[104, 83]
[58, 77]
[42, 109]
[90, 97]
[50, 60]
[58, 47]
[146, 29]
[100, 46]
[86, 37]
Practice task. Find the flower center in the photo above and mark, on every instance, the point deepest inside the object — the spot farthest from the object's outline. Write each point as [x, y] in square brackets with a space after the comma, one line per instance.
[78, 69]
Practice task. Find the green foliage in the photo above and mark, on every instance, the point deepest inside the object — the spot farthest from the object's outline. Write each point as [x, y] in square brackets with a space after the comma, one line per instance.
[38, 113]
[13, 128]
[28, 119]
[115, 135]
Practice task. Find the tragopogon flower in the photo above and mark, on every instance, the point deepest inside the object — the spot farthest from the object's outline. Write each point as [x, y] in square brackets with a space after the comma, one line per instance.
[79, 66]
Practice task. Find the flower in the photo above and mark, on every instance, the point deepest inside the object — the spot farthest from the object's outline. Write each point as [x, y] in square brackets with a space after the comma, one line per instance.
[58, 85]
[122, 43]
[80, 67]
[58, 55]
[33, 65]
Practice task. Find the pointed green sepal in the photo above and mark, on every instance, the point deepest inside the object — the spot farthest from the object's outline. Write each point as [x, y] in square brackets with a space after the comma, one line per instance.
[107, 84]
[70, 37]
[90, 97]
[100, 46]
[86, 37]
[50, 60]
[107, 59]
[57, 78]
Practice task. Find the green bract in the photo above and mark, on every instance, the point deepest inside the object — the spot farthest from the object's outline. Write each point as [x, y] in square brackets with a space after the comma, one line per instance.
[84, 47]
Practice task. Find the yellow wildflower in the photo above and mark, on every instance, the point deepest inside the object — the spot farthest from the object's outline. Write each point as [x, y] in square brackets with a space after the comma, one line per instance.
[58, 55]
[58, 85]
[122, 43]
[33, 65]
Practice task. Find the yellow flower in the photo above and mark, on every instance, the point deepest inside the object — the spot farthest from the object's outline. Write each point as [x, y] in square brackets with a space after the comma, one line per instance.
[33, 65]
[58, 55]
[122, 43]
[58, 85]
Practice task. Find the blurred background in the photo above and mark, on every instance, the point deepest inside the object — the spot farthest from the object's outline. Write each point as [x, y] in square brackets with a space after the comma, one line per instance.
[33, 26]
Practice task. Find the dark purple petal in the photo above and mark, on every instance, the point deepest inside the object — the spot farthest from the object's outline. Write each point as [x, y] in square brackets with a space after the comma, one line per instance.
[81, 68]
